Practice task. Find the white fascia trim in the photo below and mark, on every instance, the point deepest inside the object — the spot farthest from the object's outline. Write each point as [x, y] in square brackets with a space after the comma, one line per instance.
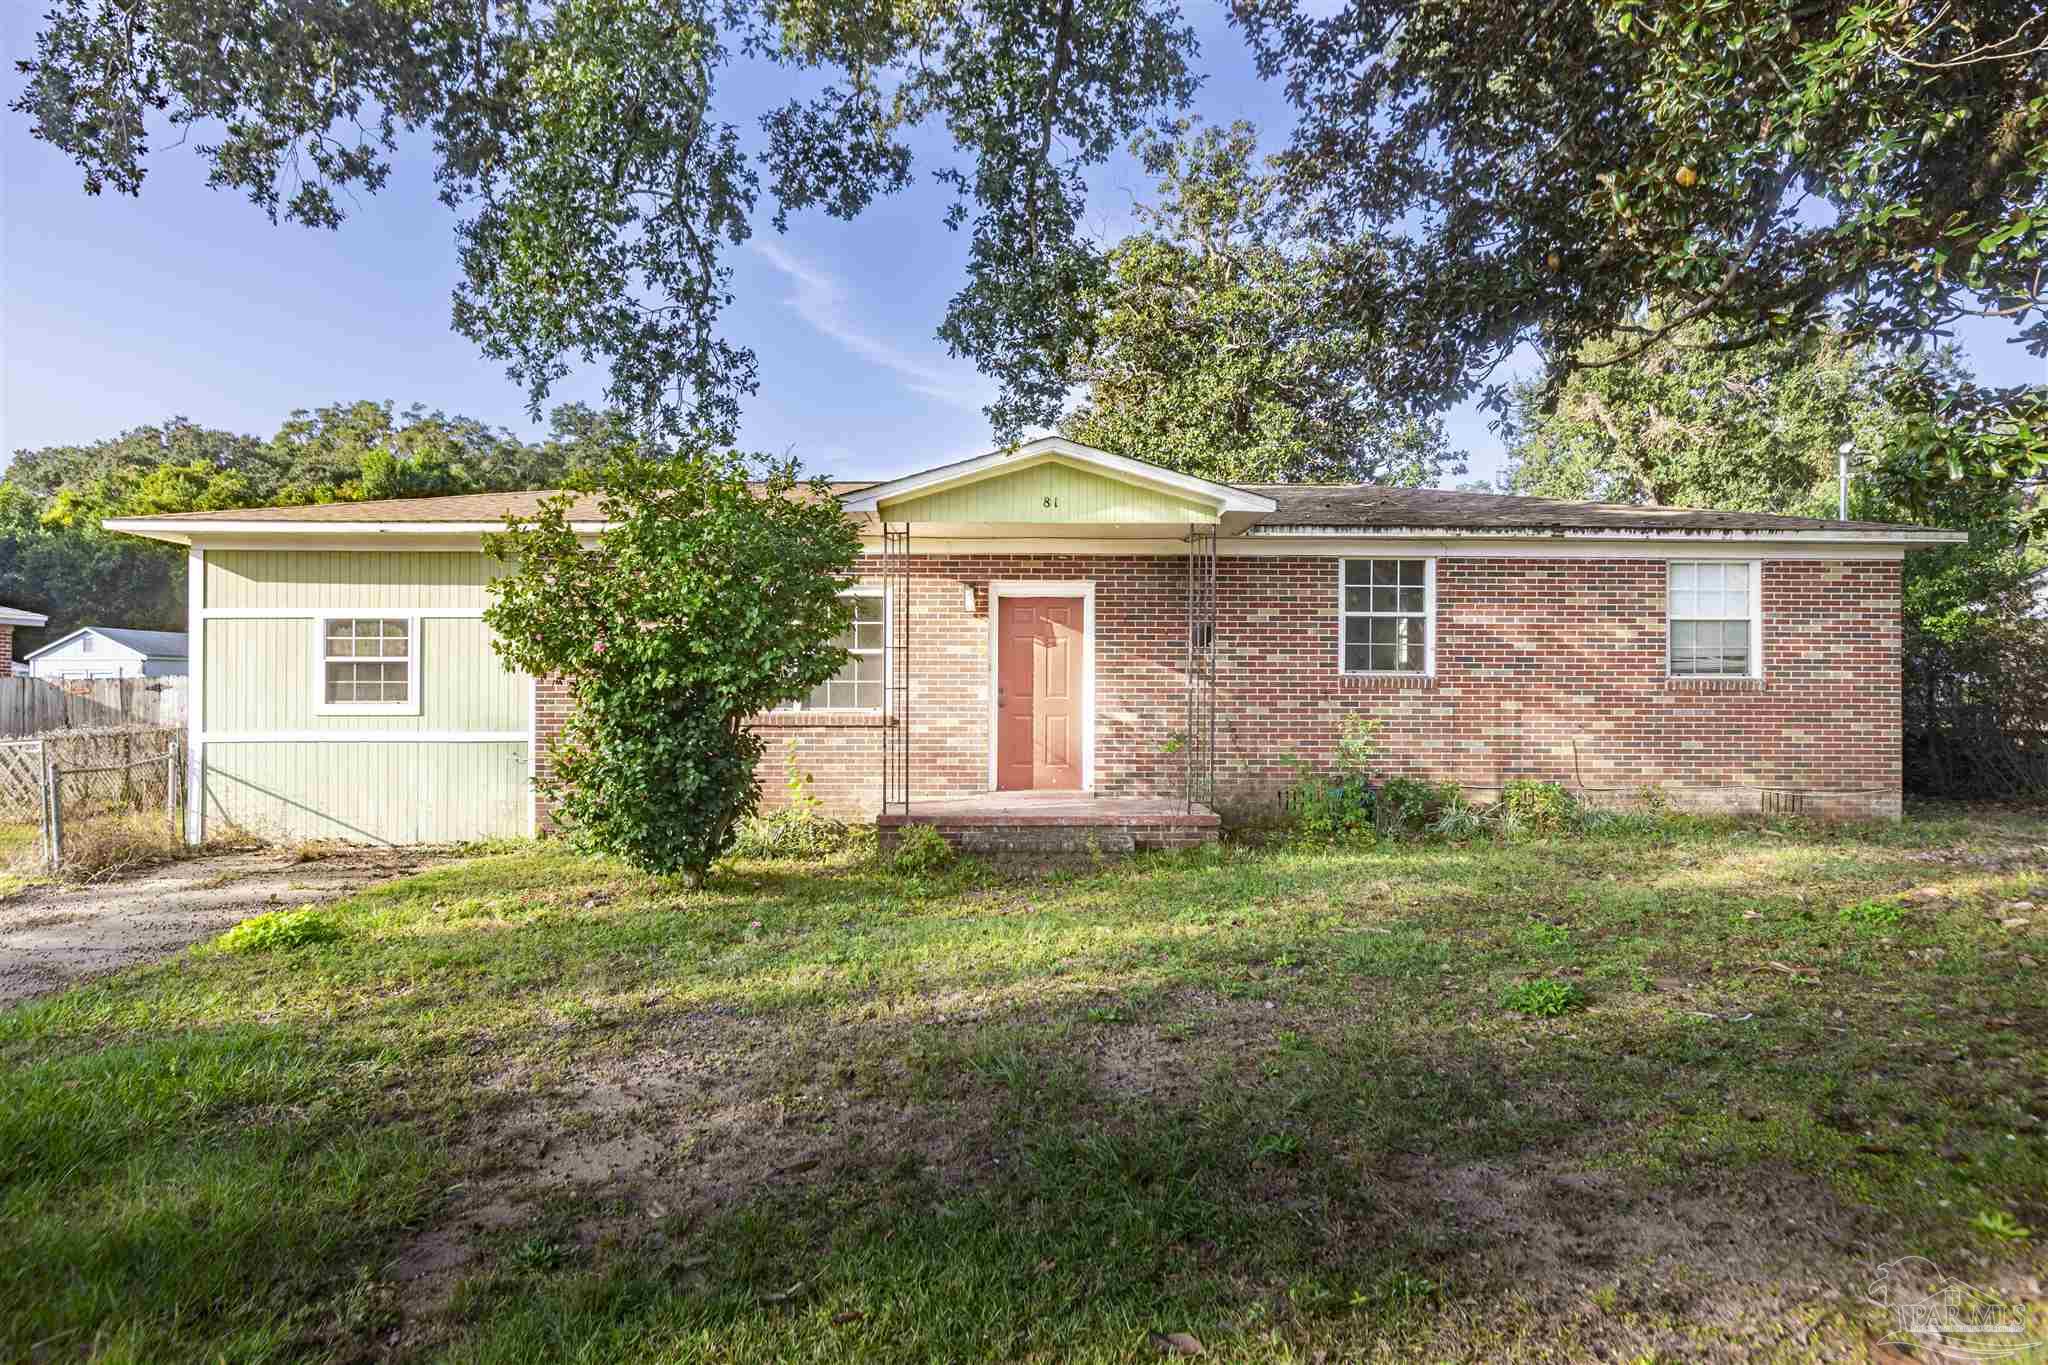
[393, 736]
[1227, 498]
[15, 616]
[1676, 534]
[1422, 548]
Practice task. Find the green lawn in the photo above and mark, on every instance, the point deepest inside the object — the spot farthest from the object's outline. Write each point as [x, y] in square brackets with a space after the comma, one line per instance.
[531, 1106]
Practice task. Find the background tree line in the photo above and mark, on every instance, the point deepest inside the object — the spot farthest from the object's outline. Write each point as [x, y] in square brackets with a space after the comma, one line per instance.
[54, 558]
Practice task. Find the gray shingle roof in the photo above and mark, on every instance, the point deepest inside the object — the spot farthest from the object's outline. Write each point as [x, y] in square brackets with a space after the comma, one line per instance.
[1306, 506]
[1369, 506]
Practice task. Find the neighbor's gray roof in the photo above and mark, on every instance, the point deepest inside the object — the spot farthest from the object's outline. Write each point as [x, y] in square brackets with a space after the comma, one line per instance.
[1307, 506]
[154, 644]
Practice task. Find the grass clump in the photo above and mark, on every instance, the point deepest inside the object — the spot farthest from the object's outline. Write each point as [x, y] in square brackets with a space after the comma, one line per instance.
[1543, 998]
[280, 930]
[922, 851]
[796, 833]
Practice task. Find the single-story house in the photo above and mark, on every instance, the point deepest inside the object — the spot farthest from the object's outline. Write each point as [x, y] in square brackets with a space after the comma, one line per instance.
[10, 617]
[1057, 624]
[109, 652]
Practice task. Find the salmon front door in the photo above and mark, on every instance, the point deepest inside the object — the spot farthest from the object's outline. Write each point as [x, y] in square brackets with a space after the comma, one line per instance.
[1038, 693]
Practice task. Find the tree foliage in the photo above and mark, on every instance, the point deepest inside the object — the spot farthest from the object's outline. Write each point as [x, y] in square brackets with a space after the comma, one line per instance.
[1685, 424]
[705, 600]
[597, 176]
[55, 559]
[1537, 173]
[1211, 346]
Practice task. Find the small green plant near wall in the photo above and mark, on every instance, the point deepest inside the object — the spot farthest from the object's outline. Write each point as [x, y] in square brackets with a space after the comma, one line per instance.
[801, 829]
[922, 851]
[1873, 915]
[279, 930]
[1544, 998]
[1338, 804]
[1533, 807]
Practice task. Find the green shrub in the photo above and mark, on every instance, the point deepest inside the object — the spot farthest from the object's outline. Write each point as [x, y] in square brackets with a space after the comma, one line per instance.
[1537, 807]
[1411, 804]
[1338, 804]
[922, 850]
[279, 930]
[711, 594]
[1545, 998]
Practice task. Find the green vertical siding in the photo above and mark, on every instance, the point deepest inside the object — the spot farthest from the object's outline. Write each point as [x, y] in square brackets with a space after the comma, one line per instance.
[349, 578]
[1050, 492]
[401, 793]
[259, 675]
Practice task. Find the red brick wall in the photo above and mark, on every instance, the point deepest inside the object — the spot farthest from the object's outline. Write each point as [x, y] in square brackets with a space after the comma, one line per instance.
[1545, 668]
[6, 651]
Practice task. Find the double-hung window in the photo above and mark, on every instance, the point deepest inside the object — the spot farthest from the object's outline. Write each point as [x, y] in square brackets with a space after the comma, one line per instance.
[367, 664]
[1715, 625]
[1387, 609]
[857, 686]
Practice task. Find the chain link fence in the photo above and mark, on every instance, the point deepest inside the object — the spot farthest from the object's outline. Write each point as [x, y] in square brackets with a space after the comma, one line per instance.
[99, 798]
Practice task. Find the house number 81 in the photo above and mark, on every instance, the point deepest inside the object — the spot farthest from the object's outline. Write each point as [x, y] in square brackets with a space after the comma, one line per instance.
[1051, 502]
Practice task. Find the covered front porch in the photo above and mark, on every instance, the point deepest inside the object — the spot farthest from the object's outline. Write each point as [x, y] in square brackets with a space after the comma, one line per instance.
[1066, 553]
[1055, 822]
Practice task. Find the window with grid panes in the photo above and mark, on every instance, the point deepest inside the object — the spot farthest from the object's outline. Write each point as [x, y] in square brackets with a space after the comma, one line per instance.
[858, 685]
[1713, 618]
[1386, 615]
[366, 661]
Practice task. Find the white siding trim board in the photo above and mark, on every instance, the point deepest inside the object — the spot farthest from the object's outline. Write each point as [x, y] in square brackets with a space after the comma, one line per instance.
[368, 737]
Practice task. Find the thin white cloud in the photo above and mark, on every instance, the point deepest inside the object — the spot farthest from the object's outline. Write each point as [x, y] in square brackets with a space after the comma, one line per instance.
[823, 302]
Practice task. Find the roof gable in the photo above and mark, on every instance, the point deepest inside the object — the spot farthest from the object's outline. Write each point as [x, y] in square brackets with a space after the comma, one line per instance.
[1051, 481]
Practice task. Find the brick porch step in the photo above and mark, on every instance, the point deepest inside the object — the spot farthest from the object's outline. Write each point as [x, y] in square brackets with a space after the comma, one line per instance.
[1045, 822]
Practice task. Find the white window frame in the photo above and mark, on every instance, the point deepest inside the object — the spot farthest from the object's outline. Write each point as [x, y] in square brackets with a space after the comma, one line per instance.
[1428, 620]
[409, 707]
[798, 706]
[1756, 618]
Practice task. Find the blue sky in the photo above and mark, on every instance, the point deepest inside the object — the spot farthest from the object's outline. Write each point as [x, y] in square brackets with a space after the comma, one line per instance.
[186, 301]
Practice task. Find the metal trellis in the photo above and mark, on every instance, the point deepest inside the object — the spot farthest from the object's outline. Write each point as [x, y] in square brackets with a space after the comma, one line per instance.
[896, 683]
[1199, 739]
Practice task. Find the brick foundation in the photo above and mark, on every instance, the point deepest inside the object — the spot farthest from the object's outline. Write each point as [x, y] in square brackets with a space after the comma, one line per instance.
[1546, 668]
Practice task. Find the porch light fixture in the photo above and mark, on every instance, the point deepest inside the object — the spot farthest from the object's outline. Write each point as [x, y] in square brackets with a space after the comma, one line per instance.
[967, 598]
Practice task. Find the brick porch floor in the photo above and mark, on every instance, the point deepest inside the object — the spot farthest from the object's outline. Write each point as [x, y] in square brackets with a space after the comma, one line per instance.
[1050, 822]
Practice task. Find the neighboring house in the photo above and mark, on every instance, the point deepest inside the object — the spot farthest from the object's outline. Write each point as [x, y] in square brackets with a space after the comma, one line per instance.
[109, 652]
[1051, 622]
[10, 617]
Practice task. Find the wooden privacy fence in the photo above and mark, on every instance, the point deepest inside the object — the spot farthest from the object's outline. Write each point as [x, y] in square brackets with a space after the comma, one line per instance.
[38, 706]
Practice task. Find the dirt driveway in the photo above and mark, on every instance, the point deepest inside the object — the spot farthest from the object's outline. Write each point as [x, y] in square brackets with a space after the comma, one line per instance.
[53, 936]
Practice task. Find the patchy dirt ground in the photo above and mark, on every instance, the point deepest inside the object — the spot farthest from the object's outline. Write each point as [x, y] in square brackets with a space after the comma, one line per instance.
[52, 936]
